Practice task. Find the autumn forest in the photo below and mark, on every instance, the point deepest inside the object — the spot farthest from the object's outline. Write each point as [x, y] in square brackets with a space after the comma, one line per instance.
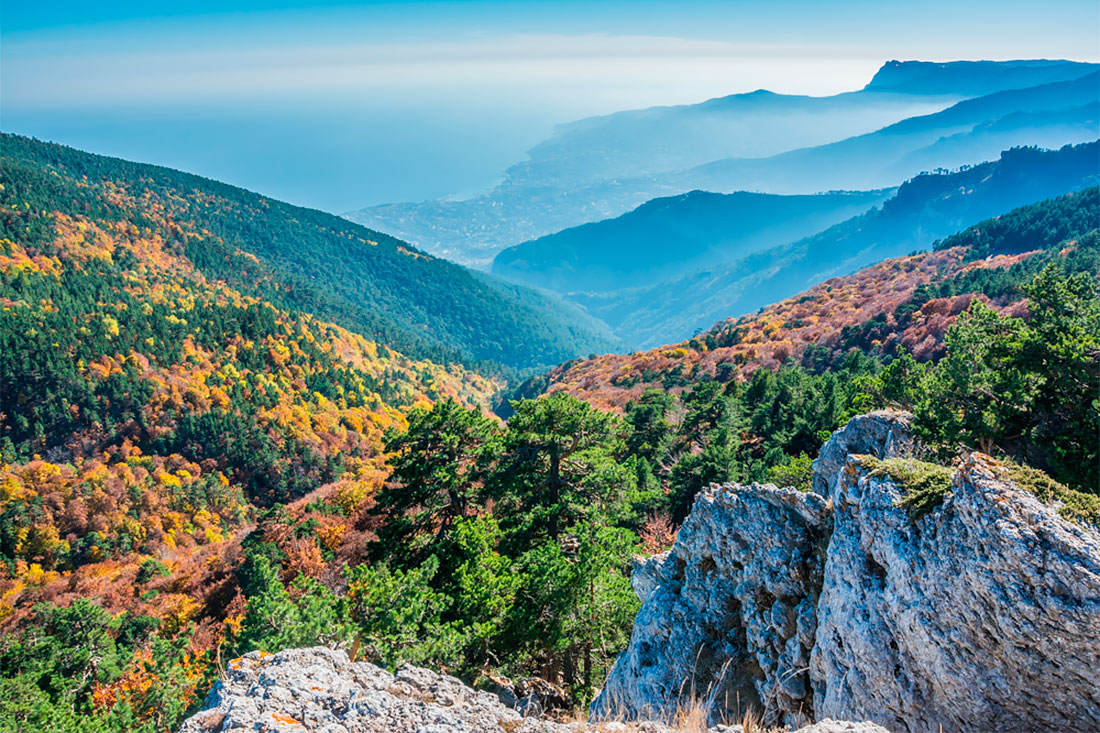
[231, 424]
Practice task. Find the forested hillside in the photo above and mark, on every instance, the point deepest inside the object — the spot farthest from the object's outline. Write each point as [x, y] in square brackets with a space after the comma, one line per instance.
[149, 412]
[196, 466]
[936, 332]
[928, 207]
[190, 471]
[300, 258]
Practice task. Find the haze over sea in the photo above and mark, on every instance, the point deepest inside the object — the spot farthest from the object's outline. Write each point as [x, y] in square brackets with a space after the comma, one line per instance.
[338, 106]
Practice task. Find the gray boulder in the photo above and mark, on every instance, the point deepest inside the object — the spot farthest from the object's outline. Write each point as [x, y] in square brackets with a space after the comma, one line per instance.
[319, 690]
[982, 615]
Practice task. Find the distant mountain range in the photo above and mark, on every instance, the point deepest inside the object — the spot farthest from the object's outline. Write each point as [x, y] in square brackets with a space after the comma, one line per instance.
[1049, 115]
[674, 236]
[924, 115]
[924, 209]
[972, 78]
[907, 302]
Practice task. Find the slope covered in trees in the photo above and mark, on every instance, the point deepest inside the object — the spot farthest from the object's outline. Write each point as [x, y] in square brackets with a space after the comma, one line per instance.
[902, 311]
[300, 258]
[924, 209]
[149, 414]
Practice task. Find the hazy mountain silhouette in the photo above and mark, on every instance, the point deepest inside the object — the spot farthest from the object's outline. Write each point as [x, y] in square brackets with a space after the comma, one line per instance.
[925, 208]
[601, 167]
[673, 236]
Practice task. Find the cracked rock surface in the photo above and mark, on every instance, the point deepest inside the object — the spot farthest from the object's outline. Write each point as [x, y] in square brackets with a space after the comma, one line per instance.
[982, 615]
[319, 690]
[728, 613]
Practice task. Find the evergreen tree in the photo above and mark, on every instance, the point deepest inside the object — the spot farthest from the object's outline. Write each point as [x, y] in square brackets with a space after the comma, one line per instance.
[277, 619]
[438, 464]
[560, 462]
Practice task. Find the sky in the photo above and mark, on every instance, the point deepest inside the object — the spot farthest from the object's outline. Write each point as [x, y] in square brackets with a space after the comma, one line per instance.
[340, 106]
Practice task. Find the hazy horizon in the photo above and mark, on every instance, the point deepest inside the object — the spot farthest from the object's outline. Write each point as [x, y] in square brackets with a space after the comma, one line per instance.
[341, 107]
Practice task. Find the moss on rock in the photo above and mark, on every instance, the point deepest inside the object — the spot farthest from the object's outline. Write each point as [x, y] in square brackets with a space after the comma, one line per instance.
[1076, 506]
[926, 485]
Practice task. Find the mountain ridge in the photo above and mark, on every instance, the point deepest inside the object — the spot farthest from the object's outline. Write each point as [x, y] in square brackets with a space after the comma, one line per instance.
[875, 148]
[836, 313]
[923, 209]
[673, 235]
[916, 75]
[564, 184]
[385, 287]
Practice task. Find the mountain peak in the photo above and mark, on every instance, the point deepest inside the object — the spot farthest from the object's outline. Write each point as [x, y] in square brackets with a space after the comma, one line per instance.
[972, 77]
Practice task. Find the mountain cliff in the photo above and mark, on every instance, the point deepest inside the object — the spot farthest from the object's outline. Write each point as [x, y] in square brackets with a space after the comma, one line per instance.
[849, 601]
[972, 78]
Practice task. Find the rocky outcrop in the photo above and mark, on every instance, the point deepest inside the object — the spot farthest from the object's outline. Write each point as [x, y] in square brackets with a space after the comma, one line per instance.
[728, 613]
[982, 615]
[883, 434]
[319, 690]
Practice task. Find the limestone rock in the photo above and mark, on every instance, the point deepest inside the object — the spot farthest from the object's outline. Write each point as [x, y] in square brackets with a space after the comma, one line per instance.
[531, 696]
[731, 604]
[842, 726]
[883, 434]
[319, 690]
[983, 615]
[647, 574]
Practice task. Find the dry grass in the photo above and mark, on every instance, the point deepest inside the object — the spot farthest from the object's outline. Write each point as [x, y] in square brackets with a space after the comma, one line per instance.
[692, 714]
[689, 717]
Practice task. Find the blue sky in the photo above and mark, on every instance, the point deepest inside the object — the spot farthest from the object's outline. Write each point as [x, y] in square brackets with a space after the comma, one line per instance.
[342, 105]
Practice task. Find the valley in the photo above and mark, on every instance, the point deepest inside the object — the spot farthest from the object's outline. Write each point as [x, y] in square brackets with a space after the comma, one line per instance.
[245, 442]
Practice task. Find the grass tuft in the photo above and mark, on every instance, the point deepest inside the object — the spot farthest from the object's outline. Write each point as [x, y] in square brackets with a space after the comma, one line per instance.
[926, 485]
[1076, 506]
